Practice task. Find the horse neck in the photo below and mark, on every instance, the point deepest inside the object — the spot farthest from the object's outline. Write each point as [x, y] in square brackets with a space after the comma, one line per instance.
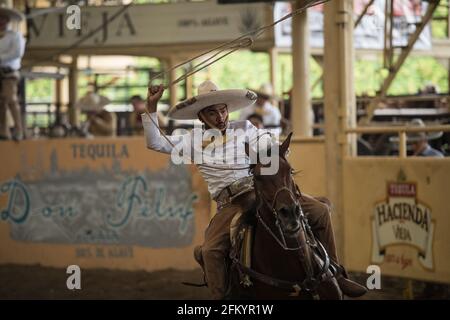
[268, 256]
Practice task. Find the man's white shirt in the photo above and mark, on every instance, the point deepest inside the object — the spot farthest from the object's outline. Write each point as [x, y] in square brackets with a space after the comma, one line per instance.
[217, 176]
[271, 115]
[12, 47]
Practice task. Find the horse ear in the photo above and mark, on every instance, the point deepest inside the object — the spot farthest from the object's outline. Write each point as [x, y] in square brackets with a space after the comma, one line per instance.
[285, 145]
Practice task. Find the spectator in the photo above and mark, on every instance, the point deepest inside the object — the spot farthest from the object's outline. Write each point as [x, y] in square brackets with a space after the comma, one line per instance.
[264, 107]
[419, 141]
[100, 122]
[12, 46]
[421, 148]
[256, 120]
[430, 88]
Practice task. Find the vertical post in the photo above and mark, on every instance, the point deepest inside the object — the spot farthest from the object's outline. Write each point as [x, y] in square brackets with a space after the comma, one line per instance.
[273, 55]
[339, 103]
[189, 86]
[22, 95]
[391, 30]
[172, 77]
[73, 95]
[402, 152]
[448, 79]
[448, 19]
[172, 90]
[283, 110]
[58, 100]
[388, 28]
[301, 103]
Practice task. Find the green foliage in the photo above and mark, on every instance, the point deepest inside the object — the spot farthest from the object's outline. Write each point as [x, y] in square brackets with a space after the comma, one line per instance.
[39, 90]
[242, 69]
[284, 72]
[415, 73]
[439, 28]
[250, 70]
[245, 69]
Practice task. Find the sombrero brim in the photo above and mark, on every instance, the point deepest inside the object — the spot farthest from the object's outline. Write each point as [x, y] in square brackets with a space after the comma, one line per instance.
[415, 138]
[86, 104]
[235, 99]
[265, 95]
[12, 14]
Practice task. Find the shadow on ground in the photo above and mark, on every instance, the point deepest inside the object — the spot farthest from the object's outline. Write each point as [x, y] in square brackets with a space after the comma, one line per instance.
[37, 282]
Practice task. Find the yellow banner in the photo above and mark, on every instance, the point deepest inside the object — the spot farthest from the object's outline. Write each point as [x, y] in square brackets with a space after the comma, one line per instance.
[397, 216]
[99, 203]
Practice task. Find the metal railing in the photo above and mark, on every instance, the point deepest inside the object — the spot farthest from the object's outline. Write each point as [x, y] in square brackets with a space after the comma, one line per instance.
[400, 131]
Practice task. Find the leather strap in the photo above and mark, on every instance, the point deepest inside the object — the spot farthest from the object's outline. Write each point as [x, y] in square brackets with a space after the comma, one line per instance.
[307, 285]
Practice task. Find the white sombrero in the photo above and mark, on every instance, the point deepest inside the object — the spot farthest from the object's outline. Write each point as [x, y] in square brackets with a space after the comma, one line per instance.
[208, 95]
[7, 9]
[92, 102]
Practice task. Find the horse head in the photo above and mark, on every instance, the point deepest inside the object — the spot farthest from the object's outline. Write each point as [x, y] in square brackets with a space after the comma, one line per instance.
[284, 233]
[278, 191]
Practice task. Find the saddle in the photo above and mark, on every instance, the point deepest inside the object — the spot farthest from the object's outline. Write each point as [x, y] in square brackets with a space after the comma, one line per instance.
[241, 236]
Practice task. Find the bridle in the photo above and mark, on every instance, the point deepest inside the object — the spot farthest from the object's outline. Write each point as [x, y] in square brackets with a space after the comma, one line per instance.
[310, 238]
[271, 207]
[311, 281]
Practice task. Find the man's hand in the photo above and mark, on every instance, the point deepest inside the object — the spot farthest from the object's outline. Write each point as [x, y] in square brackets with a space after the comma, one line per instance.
[153, 95]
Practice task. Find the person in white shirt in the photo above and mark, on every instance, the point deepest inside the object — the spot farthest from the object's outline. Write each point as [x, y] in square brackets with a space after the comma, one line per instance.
[230, 183]
[12, 46]
[256, 120]
[264, 107]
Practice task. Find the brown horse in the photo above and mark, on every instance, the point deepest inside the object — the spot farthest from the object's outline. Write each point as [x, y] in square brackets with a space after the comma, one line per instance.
[287, 261]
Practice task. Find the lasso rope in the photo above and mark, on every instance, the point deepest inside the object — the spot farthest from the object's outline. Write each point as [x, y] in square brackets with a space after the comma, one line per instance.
[243, 41]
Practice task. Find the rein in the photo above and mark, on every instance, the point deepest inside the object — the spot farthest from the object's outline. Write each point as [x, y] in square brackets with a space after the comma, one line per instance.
[311, 282]
[281, 242]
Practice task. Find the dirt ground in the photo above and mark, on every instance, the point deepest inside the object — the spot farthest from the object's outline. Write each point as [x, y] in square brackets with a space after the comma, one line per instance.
[37, 282]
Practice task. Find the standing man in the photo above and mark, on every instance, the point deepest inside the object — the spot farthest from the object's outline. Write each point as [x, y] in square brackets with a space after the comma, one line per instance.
[419, 141]
[264, 107]
[12, 46]
[212, 107]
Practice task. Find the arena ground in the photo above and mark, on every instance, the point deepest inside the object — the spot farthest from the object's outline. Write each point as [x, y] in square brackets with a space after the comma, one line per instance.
[37, 282]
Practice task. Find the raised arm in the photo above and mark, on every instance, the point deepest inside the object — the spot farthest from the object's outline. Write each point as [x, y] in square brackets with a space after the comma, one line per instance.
[154, 139]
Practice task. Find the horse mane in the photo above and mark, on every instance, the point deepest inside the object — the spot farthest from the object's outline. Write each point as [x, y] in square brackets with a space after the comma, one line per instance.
[248, 217]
